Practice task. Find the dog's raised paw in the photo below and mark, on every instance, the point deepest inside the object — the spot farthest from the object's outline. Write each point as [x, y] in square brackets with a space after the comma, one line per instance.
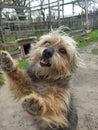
[6, 61]
[32, 106]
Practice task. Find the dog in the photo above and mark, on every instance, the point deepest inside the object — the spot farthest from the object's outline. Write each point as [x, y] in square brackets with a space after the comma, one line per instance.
[44, 89]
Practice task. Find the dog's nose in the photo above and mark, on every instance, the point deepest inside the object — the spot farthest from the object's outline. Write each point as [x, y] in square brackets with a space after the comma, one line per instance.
[48, 53]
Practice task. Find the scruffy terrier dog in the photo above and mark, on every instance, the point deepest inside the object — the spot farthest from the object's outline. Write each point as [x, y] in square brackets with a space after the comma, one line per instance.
[44, 88]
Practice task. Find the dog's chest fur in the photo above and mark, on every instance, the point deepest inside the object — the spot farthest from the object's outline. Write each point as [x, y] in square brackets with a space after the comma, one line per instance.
[43, 86]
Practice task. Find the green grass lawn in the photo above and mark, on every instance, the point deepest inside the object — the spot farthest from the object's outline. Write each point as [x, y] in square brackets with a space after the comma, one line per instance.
[13, 38]
[10, 39]
[82, 44]
[82, 41]
[93, 35]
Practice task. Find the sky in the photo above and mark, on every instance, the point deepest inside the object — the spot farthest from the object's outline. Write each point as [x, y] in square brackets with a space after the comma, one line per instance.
[67, 8]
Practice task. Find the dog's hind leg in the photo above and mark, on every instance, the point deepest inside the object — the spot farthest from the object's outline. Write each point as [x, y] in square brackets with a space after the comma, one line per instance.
[17, 80]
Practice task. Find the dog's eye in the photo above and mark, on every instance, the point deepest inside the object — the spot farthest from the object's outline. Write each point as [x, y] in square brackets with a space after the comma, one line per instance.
[62, 50]
[46, 43]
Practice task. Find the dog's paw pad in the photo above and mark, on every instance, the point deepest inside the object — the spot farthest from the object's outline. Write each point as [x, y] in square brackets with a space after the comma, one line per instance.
[32, 106]
[6, 61]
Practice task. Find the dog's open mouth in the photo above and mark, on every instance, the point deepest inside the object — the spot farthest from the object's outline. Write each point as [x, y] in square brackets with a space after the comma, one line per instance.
[44, 62]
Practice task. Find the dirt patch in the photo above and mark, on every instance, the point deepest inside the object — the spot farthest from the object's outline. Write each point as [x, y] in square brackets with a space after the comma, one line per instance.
[86, 91]
[85, 84]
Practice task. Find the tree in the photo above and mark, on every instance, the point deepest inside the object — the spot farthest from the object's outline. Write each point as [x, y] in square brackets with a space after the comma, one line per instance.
[42, 10]
[85, 4]
[82, 3]
[20, 12]
[0, 15]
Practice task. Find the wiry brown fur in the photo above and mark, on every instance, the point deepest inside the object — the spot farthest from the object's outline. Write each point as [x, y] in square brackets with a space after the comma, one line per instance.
[45, 91]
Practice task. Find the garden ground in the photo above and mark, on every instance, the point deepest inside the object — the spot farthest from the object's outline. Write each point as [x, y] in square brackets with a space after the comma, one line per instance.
[85, 84]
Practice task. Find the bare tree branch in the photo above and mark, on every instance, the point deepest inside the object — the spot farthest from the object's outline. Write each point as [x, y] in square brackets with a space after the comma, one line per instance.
[81, 3]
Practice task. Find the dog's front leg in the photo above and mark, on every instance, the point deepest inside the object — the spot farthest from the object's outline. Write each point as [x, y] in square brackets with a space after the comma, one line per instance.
[17, 80]
[50, 108]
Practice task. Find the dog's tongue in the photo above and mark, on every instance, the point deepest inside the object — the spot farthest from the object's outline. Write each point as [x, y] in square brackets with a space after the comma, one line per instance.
[44, 61]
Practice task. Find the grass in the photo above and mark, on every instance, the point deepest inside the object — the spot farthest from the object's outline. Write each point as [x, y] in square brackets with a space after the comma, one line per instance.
[38, 34]
[83, 42]
[13, 48]
[11, 39]
[95, 51]
[93, 36]
[22, 65]
[1, 79]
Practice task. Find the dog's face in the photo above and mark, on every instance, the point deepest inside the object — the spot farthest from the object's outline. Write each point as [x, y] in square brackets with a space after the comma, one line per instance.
[54, 56]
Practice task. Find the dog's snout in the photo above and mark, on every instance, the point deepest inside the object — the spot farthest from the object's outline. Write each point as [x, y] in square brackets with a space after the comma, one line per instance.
[48, 53]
